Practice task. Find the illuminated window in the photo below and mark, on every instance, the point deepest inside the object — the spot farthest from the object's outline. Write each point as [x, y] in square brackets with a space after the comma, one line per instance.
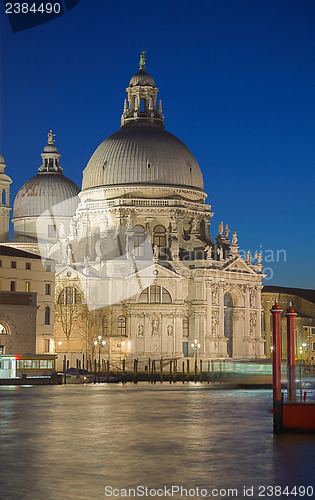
[69, 295]
[159, 236]
[121, 325]
[185, 327]
[155, 295]
[105, 325]
[27, 286]
[138, 238]
[47, 315]
[3, 330]
[144, 297]
[47, 345]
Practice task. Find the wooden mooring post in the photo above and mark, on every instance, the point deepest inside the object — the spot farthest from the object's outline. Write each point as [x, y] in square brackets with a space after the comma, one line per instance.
[161, 370]
[183, 373]
[188, 374]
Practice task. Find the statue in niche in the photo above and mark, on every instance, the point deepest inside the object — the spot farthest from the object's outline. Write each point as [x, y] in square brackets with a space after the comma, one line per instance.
[208, 249]
[156, 252]
[220, 253]
[173, 223]
[194, 224]
[140, 330]
[155, 326]
[234, 238]
[220, 230]
[169, 331]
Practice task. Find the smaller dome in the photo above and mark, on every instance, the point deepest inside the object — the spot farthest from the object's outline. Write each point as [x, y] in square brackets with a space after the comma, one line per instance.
[50, 148]
[143, 79]
[47, 192]
[2, 161]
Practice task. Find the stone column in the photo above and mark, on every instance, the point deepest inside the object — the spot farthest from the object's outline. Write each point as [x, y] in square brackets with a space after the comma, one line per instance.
[147, 332]
[209, 309]
[178, 332]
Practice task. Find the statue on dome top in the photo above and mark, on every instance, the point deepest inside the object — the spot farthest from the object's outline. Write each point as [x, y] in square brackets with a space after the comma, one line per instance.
[142, 60]
[220, 230]
[227, 230]
[51, 136]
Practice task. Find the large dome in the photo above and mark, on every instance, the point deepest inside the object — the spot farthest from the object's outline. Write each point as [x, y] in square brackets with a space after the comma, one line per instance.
[46, 192]
[142, 154]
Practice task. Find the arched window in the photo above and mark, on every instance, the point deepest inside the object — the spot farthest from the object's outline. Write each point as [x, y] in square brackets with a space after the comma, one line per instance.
[69, 295]
[138, 238]
[155, 294]
[105, 326]
[3, 330]
[121, 326]
[47, 315]
[159, 236]
[185, 327]
[3, 200]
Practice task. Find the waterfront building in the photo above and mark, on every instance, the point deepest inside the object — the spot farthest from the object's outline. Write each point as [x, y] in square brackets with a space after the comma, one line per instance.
[136, 261]
[303, 302]
[27, 284]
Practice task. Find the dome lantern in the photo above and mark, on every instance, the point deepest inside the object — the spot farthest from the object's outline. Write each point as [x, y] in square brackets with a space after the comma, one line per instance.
[142, 95]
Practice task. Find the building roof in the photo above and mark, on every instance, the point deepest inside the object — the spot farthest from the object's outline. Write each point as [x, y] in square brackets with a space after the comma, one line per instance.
[142, 154]
[15, 252]
[304, 293]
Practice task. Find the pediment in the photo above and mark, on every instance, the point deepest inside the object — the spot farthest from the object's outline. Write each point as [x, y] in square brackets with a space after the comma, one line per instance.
[238, 265]
[155, 271]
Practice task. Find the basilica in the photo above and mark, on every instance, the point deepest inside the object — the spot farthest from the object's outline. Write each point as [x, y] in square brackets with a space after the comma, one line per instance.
[136, 265]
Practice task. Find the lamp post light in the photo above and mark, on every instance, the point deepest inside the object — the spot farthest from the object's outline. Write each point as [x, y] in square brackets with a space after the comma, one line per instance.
[99, 342]
[195, 346]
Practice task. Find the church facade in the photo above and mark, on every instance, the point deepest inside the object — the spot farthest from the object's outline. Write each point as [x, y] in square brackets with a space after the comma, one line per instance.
[136, 263]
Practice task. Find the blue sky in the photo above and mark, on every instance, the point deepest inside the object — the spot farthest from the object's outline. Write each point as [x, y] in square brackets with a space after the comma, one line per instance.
[236, 79]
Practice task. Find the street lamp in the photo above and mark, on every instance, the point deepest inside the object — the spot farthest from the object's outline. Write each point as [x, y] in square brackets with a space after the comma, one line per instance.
[195, 346]
[99, 342]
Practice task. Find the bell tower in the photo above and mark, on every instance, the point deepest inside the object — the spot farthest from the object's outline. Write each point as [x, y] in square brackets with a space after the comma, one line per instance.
[5, 182]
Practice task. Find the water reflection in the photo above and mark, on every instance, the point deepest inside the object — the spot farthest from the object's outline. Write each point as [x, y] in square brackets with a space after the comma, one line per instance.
[69, 442]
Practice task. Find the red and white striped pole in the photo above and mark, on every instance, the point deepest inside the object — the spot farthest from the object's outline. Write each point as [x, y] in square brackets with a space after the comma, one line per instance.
[276, 367]
[290, 315]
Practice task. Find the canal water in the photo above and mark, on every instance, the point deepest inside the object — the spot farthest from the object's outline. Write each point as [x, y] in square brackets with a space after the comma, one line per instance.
[98, 441]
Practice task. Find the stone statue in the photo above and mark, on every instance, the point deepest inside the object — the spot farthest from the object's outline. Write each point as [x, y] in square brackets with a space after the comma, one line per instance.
[248, 258]
[234, 238]
[51, 137]
[69, 255]
[173, 223]
[155, 326]
[208, 249]
[175, 248]
[227, 230]
[258, 257]
[129, 221]
[170, 331]
[62, 233]
[220, 253]
[73, 228]
[140, 330]
[194, 224]
[142, 60]
[156, 252]
[220, 230]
